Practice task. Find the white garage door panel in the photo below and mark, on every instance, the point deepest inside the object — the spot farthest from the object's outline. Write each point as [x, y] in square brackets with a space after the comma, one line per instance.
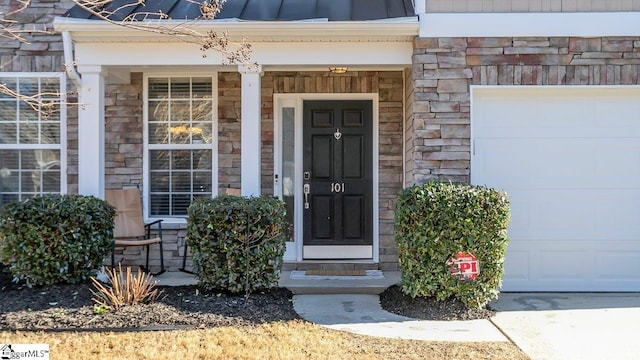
[559, 163]
[585, 113]
[542, 112]
[575, 214]
[569, 158]
[571, 266]
[617, 109]
[627, 268]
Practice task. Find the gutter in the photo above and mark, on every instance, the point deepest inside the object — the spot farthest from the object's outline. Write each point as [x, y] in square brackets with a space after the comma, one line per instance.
[67, 45]
[99, 30]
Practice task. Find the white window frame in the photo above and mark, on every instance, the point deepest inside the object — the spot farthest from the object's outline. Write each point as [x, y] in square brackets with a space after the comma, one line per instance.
[147, 147]
[62, 145]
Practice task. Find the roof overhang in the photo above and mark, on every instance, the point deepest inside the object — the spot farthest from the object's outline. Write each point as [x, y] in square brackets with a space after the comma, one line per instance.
[320, 30]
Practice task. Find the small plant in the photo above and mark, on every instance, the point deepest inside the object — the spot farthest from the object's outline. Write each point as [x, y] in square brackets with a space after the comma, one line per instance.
[100, 309]
[126, 289]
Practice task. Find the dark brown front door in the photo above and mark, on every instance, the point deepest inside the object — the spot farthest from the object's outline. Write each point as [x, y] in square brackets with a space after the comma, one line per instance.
[337, 178]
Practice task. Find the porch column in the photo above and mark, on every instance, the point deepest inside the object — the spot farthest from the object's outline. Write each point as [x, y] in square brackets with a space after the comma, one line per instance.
[91, 176]
[251, 134]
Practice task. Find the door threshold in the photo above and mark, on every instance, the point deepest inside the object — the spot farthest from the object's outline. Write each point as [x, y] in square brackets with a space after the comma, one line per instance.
[331, 261]
[338, 252]
[330, 265]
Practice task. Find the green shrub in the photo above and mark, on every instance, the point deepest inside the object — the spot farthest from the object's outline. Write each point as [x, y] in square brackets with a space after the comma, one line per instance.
[56, 238]
[434, 222]
[237, 242]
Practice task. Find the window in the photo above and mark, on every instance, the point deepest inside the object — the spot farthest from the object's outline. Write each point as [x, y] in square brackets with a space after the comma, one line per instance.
[288, 166]
[32, 135]
[181, 139]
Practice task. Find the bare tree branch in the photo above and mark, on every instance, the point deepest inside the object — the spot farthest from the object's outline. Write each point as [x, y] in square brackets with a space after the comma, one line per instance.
[154, 22]
[13, 29]
[43, 107]
[22, 4]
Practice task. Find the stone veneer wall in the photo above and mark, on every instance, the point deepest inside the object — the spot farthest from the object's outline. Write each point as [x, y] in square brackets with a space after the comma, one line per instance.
[389, 87]
[43, 50]
[229, 130]
[123, 134]
[444, 69]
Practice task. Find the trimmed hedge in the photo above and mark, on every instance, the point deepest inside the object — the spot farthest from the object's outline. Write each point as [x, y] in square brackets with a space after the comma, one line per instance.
[53, 239]
[237, 242]
[434, 222]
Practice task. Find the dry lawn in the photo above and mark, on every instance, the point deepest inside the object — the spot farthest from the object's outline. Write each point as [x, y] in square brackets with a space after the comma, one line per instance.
[282, 340]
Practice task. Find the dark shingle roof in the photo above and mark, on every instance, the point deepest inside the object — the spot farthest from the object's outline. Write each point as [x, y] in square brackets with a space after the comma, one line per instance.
[265, 10]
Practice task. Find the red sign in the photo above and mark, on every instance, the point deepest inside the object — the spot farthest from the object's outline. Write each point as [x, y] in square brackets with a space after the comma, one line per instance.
[463, 265]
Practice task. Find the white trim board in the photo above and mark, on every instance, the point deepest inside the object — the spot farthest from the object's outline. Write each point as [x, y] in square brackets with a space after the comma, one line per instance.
[340, 252]
[592, 24]
[286, 54]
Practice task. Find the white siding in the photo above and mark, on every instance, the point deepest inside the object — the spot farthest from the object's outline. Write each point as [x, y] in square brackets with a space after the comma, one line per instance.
[461, 6]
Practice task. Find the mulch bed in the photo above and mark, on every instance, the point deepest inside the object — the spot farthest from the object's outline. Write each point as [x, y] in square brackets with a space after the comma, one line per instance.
[69, 307]
[393, 300]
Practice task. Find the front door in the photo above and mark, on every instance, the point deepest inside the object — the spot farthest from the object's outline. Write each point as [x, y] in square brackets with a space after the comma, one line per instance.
[337, 179]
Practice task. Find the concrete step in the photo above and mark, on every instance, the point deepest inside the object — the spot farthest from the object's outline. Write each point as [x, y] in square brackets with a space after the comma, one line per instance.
[338, 284]
[175, 278]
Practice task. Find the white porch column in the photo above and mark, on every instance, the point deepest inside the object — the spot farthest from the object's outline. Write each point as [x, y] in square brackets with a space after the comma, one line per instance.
[91, 132]
[251, 134]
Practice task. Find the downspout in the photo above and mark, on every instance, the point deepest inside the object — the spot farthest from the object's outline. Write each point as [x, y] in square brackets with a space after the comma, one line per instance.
[67, 46]
[420, 6]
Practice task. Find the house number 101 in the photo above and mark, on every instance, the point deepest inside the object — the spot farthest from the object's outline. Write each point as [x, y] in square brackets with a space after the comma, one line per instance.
[337, 187]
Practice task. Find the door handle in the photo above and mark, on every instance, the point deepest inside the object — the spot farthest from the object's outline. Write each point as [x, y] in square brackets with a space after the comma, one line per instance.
[307, 190]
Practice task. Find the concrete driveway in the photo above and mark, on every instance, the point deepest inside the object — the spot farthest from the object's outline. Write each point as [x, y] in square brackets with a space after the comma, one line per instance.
[571, 325]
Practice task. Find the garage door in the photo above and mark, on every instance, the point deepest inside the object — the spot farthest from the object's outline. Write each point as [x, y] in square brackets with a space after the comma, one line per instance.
[569, 158]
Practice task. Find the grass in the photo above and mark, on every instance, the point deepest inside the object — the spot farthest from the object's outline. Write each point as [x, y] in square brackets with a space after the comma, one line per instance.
[280, 340]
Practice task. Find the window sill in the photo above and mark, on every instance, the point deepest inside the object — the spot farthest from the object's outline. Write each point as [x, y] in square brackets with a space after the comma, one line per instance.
[170, 224]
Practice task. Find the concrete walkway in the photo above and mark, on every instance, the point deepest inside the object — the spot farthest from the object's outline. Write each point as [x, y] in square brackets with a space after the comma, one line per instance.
[362, 314]
[546, 326]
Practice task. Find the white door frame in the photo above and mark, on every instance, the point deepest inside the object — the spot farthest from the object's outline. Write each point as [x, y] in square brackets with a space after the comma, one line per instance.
[294, 252]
